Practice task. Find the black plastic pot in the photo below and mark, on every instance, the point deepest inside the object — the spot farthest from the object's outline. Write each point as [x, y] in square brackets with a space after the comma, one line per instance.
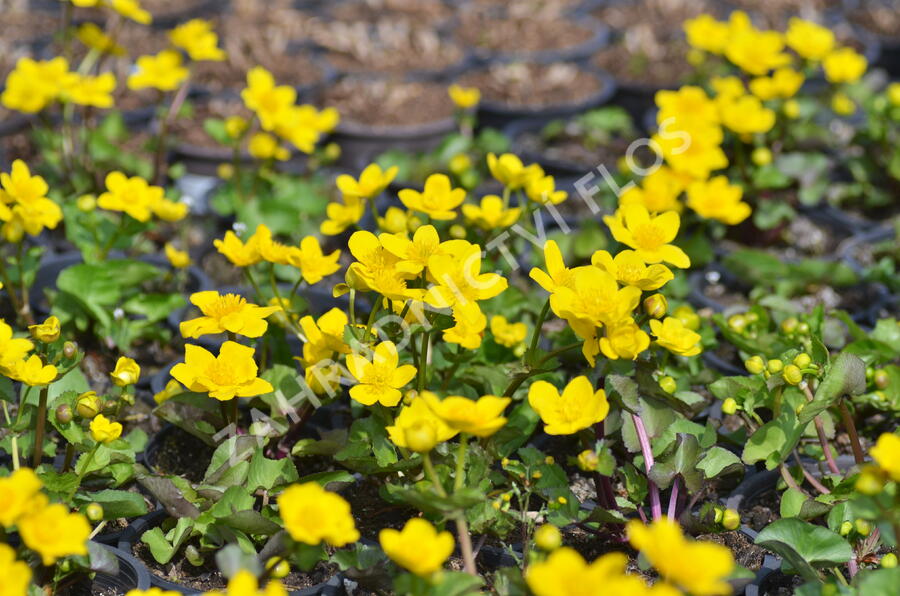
[498, 115]
[132, 575]
[849, 251]
[333, 587]
[203, 10]
[888, 57]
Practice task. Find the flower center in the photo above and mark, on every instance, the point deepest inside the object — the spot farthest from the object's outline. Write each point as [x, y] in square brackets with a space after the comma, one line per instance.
[227, 304]
[648, 237]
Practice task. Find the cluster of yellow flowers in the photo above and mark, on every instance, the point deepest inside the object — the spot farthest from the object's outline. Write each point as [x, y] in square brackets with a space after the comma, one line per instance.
[278, 114]
[50, 530]
[15, 361]
[35, 84]
[686, 566]
[138, 199]
[24, 205]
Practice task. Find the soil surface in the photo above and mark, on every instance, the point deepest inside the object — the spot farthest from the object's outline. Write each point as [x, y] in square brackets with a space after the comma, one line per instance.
[534, 85]
[181, 454]
[509, 35]
[574, 149]
[422, 12]
[393, 48]
[641, 59]
[879, 17]
[384, 103]
[371, 512]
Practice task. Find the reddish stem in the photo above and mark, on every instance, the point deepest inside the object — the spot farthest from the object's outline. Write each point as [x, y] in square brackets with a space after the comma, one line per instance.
[647, 452]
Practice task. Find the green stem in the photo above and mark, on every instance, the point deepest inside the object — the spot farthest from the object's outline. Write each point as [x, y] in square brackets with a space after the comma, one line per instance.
[375, 308]
[432, 474]
[14, 438]
[40, 428]
[536, 334]
[460, 462]
[26, 307]
[70, 455]
[558, 352]
[87, 464]
[423, 362]
[448, 376]
[252, 281]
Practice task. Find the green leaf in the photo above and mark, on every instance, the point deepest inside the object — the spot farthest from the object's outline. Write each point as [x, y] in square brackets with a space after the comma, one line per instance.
[251, 522]
[846, 375]
[518, 429]
[116, 504]
[804, 546]
[267, 473]
[718, 461]
[773, 441]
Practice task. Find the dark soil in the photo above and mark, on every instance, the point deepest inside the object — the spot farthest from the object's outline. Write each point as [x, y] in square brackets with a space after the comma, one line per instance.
[779, 584]
[393, 50]
[182, 454]
[509, 35]
[879, 17]
[745, 552]
[534, 85]
[383, 103]
[371, 512]
[423, 12]
[646, 61]
[86, 587]
[574, 149]
[24, 26]
[208, 577]
[761, 510]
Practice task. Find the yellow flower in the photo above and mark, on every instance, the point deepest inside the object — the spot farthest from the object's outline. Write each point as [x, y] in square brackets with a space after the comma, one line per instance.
[304, 125]
[163, 71]
[31, 209]
[17, 494]
[324, 337]
[482, 417]
[312, 514]
[886, 454]
[127, 372]
[230, 374]
[380, 379]
[438, 199]
[757, 52]
[675, 337]
[243, 583]
[54, 533]
[91, 35]
[47, 332]
[728, 86]
[197, 38]
[557, 274]
[372, 181]
[171, 389]
[103, 430]
[842, 104]
[579, 406]
[395, 220]
[810, 40]
[16, 574]
[313, 264]
[893, 94]
[262, 145]
[239, 253]
[268, 101]
[542, 189]
[706, 33]
[177, 258]
[623, 340]
[784, 83]
[11, 350]
[565, 573]
[717, 199]
[469, 328]
[33, 85]
[491, 214]
[593, 299]
[33, 372]
[700, 568]
[689, 106]
[506, 333]
[375, 269]
[413, 254]
[464, 97]
[132, 196]
[629, 269]
[93, 91]
[131, 9]
[459, 279]
[658, 192]
[170, 210]
[342, 215]
[226, 313]
[418, 429]
[694, 153]
[650, 237]
[418, 547]
[747, 115]
[509, 170]
[844, 66]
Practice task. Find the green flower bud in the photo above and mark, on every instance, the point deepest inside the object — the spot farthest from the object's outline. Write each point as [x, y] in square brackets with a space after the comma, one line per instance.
[846, 528]
[588, 461]
[88, 405]
[889, 561]
[803, 329]
[720, 515]
[193, 556]
[863, 527]
[790, 324]
[548, 537]
[731, 520]
[64, 413]
[761, 156]
[656, 306]
[774, 366]
[687, 316]
[94, 512]
[70, 349]
[881, 378]
[737, 323]
[279, 568]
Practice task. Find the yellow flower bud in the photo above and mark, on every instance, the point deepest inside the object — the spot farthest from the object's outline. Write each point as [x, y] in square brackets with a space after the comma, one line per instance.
[754, 365]
[460, 163]
[774, 366]
[889, 561]
[549, 460]
[86, 203]
[588, 460]
[94, 512]
[881, 379]
[696, 57]
[846, 528]
[791, 108]
[762, 156]
[870, 481]
[279, 568]
[792, 374]
[802, 360]
[737, 323]
[47, 332]
[225, 171]
[457, 231]
[127, 372]
[536, 475]
[88, 405]
[729, 406]
[420, 437]
[688, 317]
[548, 537]
[863, 527]
[104, 430]
[668, 384]
[656, 306]
[731, 519]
